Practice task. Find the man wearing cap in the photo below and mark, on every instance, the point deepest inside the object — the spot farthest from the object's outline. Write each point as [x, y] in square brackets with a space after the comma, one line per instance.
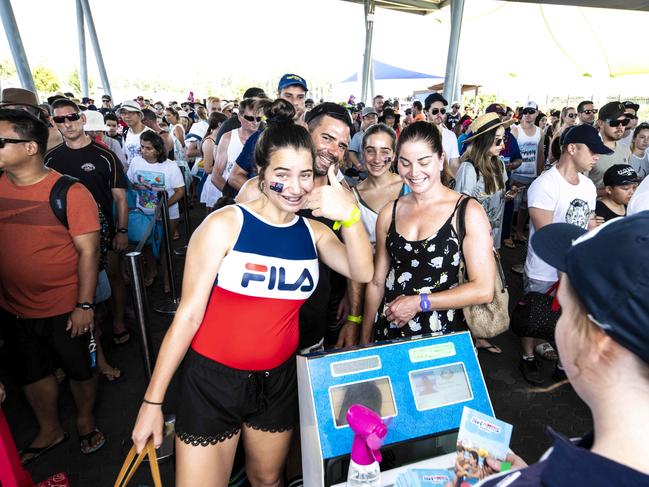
[453, 117]
[131, 113]
[96, 128]
[630, 112]
[586, 112]
[620, 182]
[22, 99]
[369, 118]
[560, 194]
[150, 119]
[293, 89]
[610, 123]
[48, 273]
[435, 108]
[99, 170]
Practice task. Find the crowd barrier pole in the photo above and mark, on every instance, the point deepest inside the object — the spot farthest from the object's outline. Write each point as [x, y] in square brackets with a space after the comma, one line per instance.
[141, 306]
[188, 229]
[170, 305]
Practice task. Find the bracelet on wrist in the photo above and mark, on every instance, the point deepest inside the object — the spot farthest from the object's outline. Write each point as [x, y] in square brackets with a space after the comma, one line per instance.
[152, 403]
[358, 319]
[354, 217]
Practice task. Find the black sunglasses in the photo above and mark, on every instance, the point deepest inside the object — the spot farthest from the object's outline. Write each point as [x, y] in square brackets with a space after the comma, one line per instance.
[616, 123]
[572, 115]
[72, 117]
[106, 100]
[250, 118]
[590, 111]
[529, 111]
[499, 141]
[4, 141]
[435, 111]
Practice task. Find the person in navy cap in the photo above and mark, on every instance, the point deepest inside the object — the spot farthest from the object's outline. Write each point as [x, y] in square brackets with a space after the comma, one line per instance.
[293, 89]
[603, 340]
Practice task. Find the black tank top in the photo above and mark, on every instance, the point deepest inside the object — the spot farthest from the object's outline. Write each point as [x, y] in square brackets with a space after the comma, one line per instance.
[417, 267]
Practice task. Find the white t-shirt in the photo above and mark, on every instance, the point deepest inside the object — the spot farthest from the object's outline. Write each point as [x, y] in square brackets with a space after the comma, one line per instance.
[449, 143]
[148, 179]
[640, 199]
[132, 145]
[569, 203]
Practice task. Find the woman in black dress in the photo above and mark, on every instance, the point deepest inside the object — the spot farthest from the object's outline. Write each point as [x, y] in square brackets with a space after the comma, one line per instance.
[415, 285]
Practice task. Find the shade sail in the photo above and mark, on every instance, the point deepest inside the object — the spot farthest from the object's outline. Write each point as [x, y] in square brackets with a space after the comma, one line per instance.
[387, 71]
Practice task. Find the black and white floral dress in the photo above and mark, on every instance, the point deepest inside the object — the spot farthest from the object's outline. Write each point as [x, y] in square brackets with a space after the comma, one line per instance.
[417, 267]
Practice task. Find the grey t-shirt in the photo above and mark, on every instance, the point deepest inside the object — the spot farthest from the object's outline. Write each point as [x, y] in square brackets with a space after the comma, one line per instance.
[356, 146]
[622, 155]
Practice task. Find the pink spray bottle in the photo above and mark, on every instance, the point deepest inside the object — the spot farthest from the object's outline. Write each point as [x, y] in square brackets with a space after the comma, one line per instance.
[369, 433]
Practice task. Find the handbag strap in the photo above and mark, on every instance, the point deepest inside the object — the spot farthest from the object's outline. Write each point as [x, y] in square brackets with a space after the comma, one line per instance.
[130, 467]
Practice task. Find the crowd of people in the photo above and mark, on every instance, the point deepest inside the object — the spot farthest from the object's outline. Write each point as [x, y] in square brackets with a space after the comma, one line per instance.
[358, 207]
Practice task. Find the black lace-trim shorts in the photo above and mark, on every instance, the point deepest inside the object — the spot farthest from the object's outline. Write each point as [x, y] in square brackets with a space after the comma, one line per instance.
[215, 400]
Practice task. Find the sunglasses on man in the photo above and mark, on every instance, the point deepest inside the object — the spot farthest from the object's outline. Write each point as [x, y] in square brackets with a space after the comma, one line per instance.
[4, 141]
[616, 123]
[529, 111]
[435, 111]
[250, 118]
[72, 117]
[590, 111]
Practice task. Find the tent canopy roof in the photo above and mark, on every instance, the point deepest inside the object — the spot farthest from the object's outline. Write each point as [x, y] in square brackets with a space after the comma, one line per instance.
[387, 71]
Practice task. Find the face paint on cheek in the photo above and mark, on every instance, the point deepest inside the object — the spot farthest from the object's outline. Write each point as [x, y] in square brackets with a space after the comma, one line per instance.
[275, 186]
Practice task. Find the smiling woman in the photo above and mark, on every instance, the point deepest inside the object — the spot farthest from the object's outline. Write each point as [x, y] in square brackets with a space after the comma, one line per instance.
[239, 336]
[415, 286]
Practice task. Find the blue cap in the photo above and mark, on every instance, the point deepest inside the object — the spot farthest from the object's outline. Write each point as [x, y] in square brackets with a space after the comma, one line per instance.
[609, 270]
[584, 134]
[291, 80]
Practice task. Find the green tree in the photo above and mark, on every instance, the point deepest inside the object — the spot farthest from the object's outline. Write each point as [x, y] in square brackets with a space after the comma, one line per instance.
[45, 79]
[7, 69]
[74, 81]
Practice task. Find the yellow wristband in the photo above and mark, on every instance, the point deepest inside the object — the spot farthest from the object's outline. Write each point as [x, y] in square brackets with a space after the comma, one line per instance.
[355, 319]
[354, 217]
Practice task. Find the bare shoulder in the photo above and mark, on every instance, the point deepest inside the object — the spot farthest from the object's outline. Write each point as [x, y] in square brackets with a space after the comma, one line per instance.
[249, 191]
[221, 223]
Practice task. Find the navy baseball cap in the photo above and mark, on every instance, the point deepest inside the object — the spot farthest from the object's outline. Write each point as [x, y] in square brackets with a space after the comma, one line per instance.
[609, 270]
[620, 175]
[587, 135]
[291, 80]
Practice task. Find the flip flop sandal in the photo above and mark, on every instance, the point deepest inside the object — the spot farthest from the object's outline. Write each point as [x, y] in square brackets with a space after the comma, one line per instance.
[546, 351]
[87, 439]
[37, 452]
[118, 338]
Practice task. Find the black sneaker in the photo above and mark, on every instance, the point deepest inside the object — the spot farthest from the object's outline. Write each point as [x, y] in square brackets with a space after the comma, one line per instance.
[559, 374]
[531, 371]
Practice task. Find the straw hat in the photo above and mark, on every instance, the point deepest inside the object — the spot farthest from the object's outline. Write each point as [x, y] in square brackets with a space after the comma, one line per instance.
[485, 123]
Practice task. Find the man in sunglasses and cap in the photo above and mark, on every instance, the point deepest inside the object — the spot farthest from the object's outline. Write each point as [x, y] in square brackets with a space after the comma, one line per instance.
[435, 108]
[611, 123]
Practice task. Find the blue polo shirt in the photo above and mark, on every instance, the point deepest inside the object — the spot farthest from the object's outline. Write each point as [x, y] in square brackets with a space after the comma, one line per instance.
[246, 159]
[570, 464]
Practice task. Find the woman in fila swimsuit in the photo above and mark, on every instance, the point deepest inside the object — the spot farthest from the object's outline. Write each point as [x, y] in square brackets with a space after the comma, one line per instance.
[237, 324]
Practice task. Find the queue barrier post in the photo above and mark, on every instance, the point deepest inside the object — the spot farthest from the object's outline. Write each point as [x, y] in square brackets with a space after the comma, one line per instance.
[188, 229]
[169, 305]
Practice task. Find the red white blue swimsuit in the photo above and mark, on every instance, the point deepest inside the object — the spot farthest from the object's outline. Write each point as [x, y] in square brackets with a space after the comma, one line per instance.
[251, 319]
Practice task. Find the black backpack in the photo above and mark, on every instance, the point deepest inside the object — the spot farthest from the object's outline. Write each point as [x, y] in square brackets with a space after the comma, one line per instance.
[58, 198]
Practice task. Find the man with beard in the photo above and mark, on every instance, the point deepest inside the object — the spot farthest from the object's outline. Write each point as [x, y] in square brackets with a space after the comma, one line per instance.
[610, 123]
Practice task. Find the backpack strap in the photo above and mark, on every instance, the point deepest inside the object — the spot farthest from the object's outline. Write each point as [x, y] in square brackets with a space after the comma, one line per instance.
[58, 198]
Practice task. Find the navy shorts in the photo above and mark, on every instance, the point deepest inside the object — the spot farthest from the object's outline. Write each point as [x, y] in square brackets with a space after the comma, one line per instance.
[216, 400]
[37, 347]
